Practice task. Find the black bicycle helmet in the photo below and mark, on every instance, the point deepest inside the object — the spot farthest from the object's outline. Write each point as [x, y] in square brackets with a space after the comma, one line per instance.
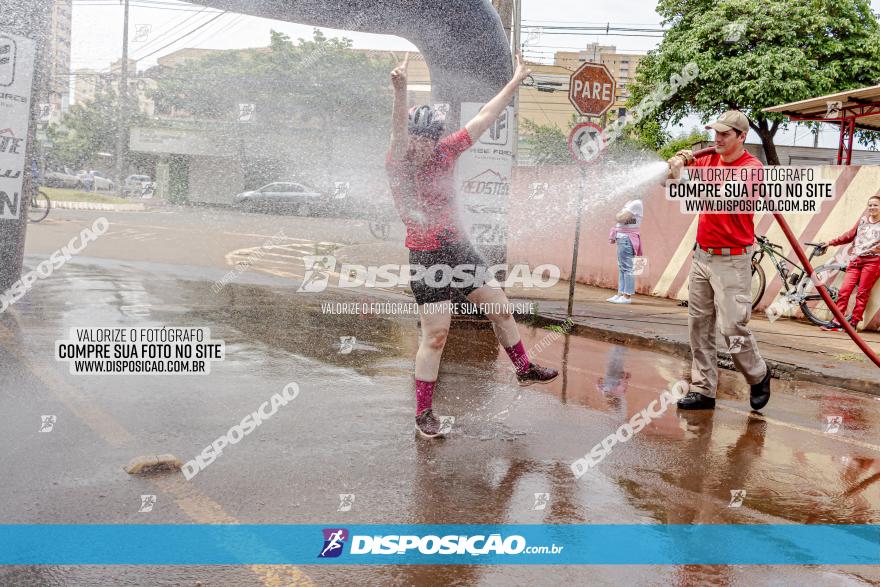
[424, 121]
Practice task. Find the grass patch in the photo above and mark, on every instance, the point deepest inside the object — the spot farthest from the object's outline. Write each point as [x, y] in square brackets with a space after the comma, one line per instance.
[850, 357]
[563, 328]
[66, 195]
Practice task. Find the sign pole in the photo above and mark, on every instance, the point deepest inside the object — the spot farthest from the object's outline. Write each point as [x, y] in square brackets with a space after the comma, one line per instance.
[584, 146]
[577, 240]
[591, 90]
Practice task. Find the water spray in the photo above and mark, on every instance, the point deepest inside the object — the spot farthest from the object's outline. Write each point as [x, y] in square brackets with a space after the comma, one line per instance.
[820, 287]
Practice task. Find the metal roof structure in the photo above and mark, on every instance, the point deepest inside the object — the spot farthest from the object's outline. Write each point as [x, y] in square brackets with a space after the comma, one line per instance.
[852, 109]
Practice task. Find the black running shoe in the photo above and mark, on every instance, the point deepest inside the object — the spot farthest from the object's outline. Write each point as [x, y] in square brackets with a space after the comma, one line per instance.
[695, 400]
[428, 425]
[537, 374]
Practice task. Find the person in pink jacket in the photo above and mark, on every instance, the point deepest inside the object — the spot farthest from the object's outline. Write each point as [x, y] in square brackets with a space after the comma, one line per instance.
[864, 266]
[629, 245]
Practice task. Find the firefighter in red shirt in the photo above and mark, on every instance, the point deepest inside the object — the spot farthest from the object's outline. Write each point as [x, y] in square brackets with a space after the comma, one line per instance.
[719, 290]
[420, 169]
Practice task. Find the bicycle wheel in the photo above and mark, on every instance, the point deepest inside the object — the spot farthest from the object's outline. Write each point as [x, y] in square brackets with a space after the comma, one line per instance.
[39, 206]
[759, 282]
[809, 299]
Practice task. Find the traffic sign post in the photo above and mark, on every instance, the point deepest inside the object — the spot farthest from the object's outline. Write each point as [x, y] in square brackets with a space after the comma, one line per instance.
[583, 142]
[591, 89]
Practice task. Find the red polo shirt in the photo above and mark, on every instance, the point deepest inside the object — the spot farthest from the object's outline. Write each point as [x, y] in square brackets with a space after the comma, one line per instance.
[726, 230]
[425, 196]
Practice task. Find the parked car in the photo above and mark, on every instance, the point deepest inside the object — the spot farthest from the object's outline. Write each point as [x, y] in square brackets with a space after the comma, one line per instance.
[62, 179]
[136, 185]
[96, 180]
[282, 196]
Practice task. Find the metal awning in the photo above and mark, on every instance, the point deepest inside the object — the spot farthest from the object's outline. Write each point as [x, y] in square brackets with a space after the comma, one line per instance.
[852, 109]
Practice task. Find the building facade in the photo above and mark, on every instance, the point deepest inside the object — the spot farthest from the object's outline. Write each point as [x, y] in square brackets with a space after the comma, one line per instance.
[89, 83]
[58, 60]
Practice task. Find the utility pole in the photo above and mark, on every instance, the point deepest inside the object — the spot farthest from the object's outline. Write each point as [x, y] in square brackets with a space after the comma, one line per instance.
[122, 127]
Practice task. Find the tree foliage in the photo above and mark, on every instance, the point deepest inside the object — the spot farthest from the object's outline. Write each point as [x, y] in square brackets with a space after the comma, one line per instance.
[548, 144]
[88, 129]
[683, 141]
[318, 81]
[784, 52]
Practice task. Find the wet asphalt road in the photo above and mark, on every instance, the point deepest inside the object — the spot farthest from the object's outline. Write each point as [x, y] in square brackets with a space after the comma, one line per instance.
[350, 431]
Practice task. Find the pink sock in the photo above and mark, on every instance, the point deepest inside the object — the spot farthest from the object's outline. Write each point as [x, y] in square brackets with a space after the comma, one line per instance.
[517, 354]
[424, 395]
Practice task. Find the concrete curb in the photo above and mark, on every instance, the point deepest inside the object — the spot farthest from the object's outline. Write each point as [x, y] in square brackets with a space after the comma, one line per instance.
[779, 369]
[65, 205]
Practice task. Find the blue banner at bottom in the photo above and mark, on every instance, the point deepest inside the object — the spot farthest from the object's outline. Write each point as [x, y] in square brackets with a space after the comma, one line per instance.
[352, 544]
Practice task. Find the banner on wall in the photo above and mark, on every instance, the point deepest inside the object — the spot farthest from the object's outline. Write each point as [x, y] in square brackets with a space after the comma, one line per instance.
[16, 74]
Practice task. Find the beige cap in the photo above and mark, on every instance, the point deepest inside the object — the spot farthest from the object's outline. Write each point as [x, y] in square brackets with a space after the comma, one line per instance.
[731, 119]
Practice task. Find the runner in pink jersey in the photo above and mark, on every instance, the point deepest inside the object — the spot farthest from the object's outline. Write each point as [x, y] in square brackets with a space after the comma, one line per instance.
[420, 168]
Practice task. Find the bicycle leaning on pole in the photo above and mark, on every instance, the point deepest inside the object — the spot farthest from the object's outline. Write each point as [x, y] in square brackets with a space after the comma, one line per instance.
[797, 286]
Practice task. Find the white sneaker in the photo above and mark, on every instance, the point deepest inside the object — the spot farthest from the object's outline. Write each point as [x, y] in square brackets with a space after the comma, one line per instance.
[622, 300]
[613, 299]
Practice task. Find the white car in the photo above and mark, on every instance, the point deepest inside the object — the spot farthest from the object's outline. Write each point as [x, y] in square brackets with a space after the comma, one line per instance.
[281, 195]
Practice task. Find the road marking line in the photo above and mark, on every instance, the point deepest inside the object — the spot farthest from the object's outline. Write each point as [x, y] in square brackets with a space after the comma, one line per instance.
[198, 507]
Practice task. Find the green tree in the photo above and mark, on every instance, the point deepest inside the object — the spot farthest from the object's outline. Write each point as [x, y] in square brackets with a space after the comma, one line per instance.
[683, 141]
[318, 81]
[753, 54]
[319, 92]
[88, 129]
[548, 144]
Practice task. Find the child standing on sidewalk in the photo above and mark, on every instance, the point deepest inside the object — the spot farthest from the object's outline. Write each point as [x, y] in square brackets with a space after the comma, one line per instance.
[629, 245]
[864, 266]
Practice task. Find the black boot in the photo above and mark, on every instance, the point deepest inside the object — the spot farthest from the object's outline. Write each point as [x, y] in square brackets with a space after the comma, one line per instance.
[760, 392]
[696, 401]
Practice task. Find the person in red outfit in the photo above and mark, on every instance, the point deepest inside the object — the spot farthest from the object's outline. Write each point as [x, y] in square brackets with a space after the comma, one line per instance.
[864, 266]
[420, 165]
[719, 290]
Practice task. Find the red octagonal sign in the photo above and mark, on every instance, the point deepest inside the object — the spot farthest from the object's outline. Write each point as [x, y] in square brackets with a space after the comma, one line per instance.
[591, 89]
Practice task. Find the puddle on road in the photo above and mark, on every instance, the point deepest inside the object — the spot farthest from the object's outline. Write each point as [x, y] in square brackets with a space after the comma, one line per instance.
[811, 458]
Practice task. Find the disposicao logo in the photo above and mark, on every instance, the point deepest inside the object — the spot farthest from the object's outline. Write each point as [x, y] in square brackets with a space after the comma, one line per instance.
[334, 540]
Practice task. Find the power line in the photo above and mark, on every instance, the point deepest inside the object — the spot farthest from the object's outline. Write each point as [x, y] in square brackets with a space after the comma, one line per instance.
[147, 4]
[589, 23]
[602, 34]
[581, 48]
[142, 57]
[116, 3]
[157, 39]
[236, 20]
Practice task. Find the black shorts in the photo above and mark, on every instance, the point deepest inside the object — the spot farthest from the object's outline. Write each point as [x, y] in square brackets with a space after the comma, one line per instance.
[452, 266]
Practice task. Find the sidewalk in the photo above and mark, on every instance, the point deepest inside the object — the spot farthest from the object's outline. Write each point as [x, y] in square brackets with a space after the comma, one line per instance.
[794, 349]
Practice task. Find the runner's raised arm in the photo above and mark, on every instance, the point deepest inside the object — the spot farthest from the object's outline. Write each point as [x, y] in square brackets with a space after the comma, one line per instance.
[399, 136]
[488, 113]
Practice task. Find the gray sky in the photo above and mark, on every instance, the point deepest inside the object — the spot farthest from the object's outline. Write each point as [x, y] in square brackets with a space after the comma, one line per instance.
[97, 33]
[97, 50]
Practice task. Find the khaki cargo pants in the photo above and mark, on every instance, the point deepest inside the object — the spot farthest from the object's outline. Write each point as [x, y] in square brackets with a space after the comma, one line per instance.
[720, 296]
